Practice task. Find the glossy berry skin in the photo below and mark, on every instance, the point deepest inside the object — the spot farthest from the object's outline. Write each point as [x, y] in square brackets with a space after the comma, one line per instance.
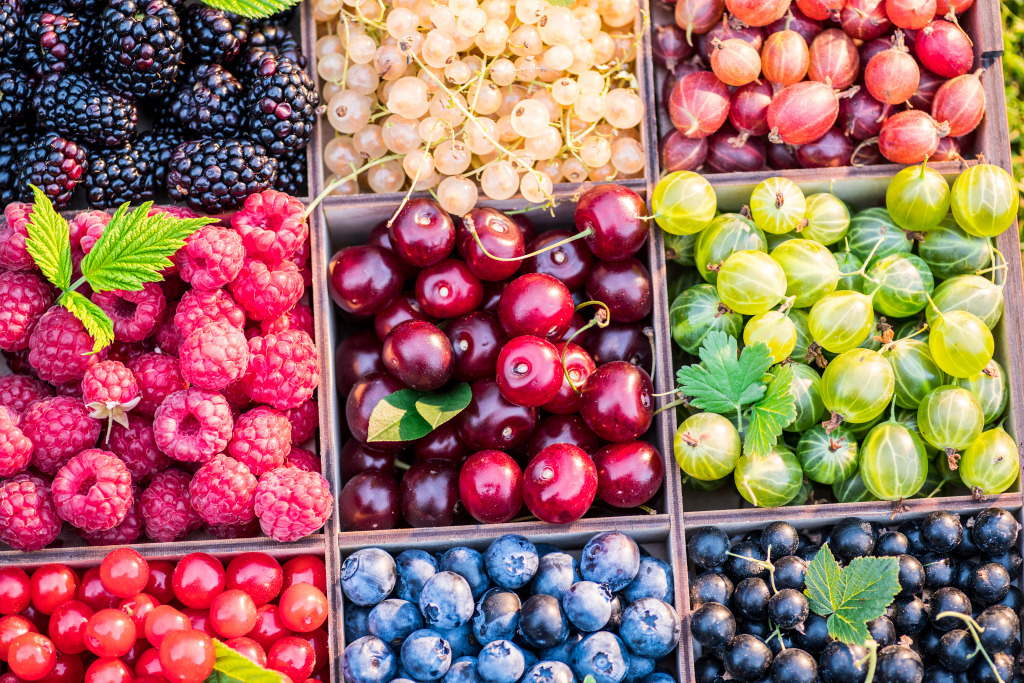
[268, 628]
[306, 569]
[562, 429]
[369, 500]
[788, 608]
[356, 356]
[499, 235]
[443, 443]
[418, 354]
[781, 538]
[994, 531]
[258, 574]
[536, 304]
[67, 626]
[12, 627]
[852, 538]
[15, 590]
[1001, 625]
[712, 625]
[429, 492]
[708, 547]
[422, 233]
[529, 371]
[232, 614]
[989, 583]
[293, 657]
[198, 579]
[124, 572]
[362, 399]
[491, 422]
[559, 484]
[476, 339]
[578, 366]
[303, 608]
[248, 648]
[52, 584]
[616, 402]
[109, 633]
[542, 622]
[31, 656]
[613, 214]
[364, 279]
[403, 307]
[448, 289]
[163, 620]
[624, 286]
[628, 474]
[941, 532]
[570, 262]
[710, 587]
[628, 342]
[491, 487]
[794, 666]
[187, 656]
[948, 600]
[897, 664]
[747, 657]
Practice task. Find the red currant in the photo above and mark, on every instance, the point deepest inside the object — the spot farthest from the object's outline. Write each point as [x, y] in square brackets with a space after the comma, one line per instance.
[67, 669]
[52, 584]
[149, 663]
[491, 487]
[139, 608]
[124, 572]
[559, 484]
[108, 670]
[162, 620]
[529, 371]
[248, 648]
[292, 656]
[318, 639]
[159, 584]
[12, 627]
[269, 627]
[302, 608]
[109, 633]
[67, 626]
[187, 656]
[15, 590]
[305, 569]
[233, 613]
[258, 574]
[93, 593]
[198, 579]
[31, 656]
[200, 620]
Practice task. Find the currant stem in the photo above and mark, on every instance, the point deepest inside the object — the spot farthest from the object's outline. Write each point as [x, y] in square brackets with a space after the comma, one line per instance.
[507, 259]
[872, 659]
[975, 629]
[338, 181]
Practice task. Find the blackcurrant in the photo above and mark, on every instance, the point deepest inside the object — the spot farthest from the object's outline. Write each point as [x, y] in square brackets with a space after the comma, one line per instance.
[710, 587]
[915, 542]
[779, 641]
[1011, 559]
[928, 640]
[962, 575]
[948, 600]
[750, 599]
[990, 583]
[994, 531]
[842, 663]
[898, 664]
[956, 650]
[794, 666]
[966, 547]
[909, 614]
[852, 538]
[747, 658]
[738, 565]
[939, 571]
[939, 674]
[1014, 600]
[708, 546]
[754, 627]
[713, 625]
[788, 608]
[706, 669]
[807, 552]
[790, 572]
[882, 631]
[982, 671]
[781, 537]
[815, 636]
[912, 575]
[1000, 627]
[891, 543]
[941, 532]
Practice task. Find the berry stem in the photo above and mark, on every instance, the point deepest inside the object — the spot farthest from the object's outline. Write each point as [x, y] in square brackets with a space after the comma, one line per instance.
[975, 629]
[601, 319]
[338, 181]
[508, 259]
[871, 658]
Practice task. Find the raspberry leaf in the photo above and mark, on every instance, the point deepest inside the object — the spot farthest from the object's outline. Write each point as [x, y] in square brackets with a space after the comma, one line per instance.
[96, 322]
[395, 418]
[49, 241]
[436, 409]
[251, 9]
[233, 667]
[771, 414]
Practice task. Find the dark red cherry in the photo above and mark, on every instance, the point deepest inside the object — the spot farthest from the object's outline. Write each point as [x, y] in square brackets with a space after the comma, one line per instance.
[492, 295]
[499, 235]
[443, 443]
[364, 279]
[526, 226]
[490, 422]
[418, 354]
[356, 457]
[491, 487]
[578, 367]
[616, 402]
[379, 237]
[448, 289]
[422, 233]
[356, 356]
[476, 340]
[613, 215]
[529, 371]
[562, 429]
[559, 484]
[628, 474]
[429, 493]
[363, 398]
[575, 326]
[403, 307]
[536, 304]
[570, 262]
[369, 501]
[624, 286]
[626, 342]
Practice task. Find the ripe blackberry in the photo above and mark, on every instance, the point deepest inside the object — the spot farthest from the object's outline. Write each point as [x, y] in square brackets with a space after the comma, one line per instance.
[282, 105]
[53, 164]
[13, 144]
[77, 106]
[213, 176]
[15, 93]
[211, 103]
[213, 35]
[157, 146]
[11, 14]
[142, 46]
[272, 39]
[56, 40]
[118, 175]
[291, 175]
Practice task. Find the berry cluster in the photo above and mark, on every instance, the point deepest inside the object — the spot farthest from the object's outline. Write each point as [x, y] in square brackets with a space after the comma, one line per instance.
[512, 329]
[539, 616]
[231, 105]
[752, 621]
[136, 620]
[196, 415]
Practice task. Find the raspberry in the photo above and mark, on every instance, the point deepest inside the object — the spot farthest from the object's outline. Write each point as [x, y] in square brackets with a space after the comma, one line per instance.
[93, 491]
[166, 510]
[292, 503]
[13, 231]
[176, 211]
[261, 439]
[272, 225]
[86, 228]
[28, 520]
[230, 531]
[201, 306]
[223, 491]
[135, 446]
[301, 261]
[158, 376]
[211, 257]
[136, 315]
[24, 297]
[109, 390]
[168, 337]
[15, 447]
[127, 532]
[59, 427]
[17, 361]
[303, 460]
[192, 425]
[299, 318]
[304, 419]
[60, 349]
[283, 369]
[214, 356]
[126, 352]
[267, 290]
[236, 396]
[19, 391]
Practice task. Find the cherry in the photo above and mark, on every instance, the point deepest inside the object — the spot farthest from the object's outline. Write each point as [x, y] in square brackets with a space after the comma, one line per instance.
[11, 627]
[305, 569]
[614, 216]
[559, 484]
[419, 355]
[448, 289]
[429, 493]
[138, 608]
[628, 474]
[578, 366]
[529, 371]
[616, 402]
[403, 307]
[31, 656]
[624, 286]
[570, 262]
[536, 304]
[303, 608]
[368, 501]
[293, 657]
[109, 633]
[15, 590]
[491, 487]
[499, 235]
[492, 296]
[109, 670]
[576, 332]
[198, 579]
[356, 457]
[380, 237]
[526, 226]
[67, 626]
[159, 584]
[422, 233]
[131, 658]
[562, 429]
[233, 613]
[248, 648]
[321, 648]
[187, 656]
[356, 356]
[619, 342]
[200, 620]
[490, 422]
[364, 279]
[476, 340]
[148, 663]
[124, 572]
[441, 443]
[40, 620]
[258, 574]
[268, 627]
[163, 620]
[92, 592]
[67, 669]
[52, 584]
[363, 398]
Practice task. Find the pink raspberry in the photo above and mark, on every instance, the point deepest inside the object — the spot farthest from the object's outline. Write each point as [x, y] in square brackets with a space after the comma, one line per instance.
[125, 533]
[201, 306]
[283, 369]
[303, 460]
[60, 349]
[17, 361]
[15, 447]
[267, 290]
[109, 390]
[24, 297]
[166, 509]
[136, 315]
[214, 356]
[93, 491]
[298, 318]
[305, 419]
[13, 231]
[28, 519]
[158, 376]
[236, 395]
[223, 492]
[261, 439]
[292, 503]
[19, 391]
[233, 531]
[211, 257]
[126, 352]
[59, 427]
[168, 337]
[272, 225]
[136, 447]
[86, 228]
[192, 425]
[176, 211]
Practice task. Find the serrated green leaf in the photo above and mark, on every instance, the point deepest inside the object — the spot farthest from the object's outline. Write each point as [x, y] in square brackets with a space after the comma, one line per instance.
[847, 631]
[252, 9]
[395, 418]
[723, 383]
[437, 408]
[823, 582]
[233, 667]
[771, 414]
[48, 241]
[96, 322]
[871, 585]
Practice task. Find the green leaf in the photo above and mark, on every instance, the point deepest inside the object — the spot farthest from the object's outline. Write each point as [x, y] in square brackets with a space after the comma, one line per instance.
[96, 322]
[252, 9]
[771, 414]
[562, 3]
[233, 667]
[824, 584]
[48, 241]
[395, 418]
[135, 247]
[436, 409]
[723, 383]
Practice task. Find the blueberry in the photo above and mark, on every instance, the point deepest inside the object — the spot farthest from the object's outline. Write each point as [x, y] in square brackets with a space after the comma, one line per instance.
[588, 605]
[426, 655]
[356, 622]
[392, 620]
[549, 672]
[653, 580]
[497, 616]
[446, 601]
[511, 561]
[530, 658]
[650, 627]
[639, 667]
[546, 549]
[555, 573]
[461, 641]
[367, 576]
[501, 661]
[542, 622]
[660, 677]
[612, 558]
[463, 670]
[601, 655]
[563, 651]
[368, 660]
[469, 564]
[414, 568]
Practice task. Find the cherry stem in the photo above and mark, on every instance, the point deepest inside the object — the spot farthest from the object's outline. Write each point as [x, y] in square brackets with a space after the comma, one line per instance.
[600, 319]
[672, 404]
[975, 628]
[647, 509]
[338, 181]
[401, 465]
[508, 259]
[649, 333]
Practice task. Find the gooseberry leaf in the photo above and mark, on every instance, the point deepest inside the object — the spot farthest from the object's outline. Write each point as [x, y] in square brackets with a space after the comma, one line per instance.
[251, 9]
[407, 414]
[724, 383]
[48, 241]
[99, 326]
[436, 409]
[233, 667]
[770, 415]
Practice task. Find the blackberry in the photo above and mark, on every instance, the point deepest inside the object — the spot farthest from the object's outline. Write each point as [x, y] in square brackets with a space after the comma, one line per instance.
[55, 40]
[283, 18]
[213, 35]
[282, 106]
[15, 93]
[157, 146]
[77, 106]
[117, 176]
[211, 103]
[13, 145]
[142, 46]
[53, 164]
[273, 39]
[217, 175]
[291, 175]
[11, 14]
